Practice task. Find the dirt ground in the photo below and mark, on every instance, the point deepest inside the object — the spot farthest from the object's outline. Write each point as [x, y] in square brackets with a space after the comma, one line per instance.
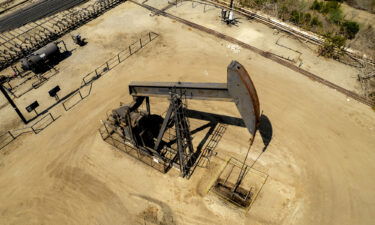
[320, 160]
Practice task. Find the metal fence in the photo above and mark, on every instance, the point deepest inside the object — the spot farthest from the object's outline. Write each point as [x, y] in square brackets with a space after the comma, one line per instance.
[112, 138]
[9, 136]
[20, 86]
[120, 57]
[22, 41]
[101, 70]
[77, 95]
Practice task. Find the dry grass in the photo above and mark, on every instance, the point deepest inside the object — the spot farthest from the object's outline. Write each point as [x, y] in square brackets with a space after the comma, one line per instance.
[368, 5]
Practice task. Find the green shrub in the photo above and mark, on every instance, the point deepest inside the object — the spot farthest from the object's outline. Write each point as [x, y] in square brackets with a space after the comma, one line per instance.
[315, 21]
[332, 45]
[296, 17]
[338, 41]
[330, 6]
[350, 29]
[316, 5]
[283, 12]
[335, 16]
[307, 18]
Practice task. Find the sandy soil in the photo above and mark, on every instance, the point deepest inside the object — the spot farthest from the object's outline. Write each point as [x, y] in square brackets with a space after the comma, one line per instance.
[365, 40]
[320, 161]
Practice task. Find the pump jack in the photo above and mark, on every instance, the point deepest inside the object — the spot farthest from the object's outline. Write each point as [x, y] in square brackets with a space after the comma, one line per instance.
[144, 131]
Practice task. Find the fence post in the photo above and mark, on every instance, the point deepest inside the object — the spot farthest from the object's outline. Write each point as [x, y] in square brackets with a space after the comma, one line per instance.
[53, 119]
[140, 41]
[118, 57]
[10, 133]
[96, 72]
[107, 65]
[130, 49]
[8, 82]
[79, 91]
[149, 35]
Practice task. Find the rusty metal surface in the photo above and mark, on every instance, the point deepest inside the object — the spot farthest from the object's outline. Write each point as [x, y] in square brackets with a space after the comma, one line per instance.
[243, 92]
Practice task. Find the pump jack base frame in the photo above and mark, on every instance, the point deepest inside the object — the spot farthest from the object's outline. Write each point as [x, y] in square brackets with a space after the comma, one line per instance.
[244, 194]
[162, 164]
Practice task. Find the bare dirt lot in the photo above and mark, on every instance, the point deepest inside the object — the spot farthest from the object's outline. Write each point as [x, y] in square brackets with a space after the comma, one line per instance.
[320, 160]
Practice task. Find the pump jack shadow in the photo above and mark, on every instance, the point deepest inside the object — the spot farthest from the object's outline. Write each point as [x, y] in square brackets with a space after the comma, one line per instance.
[265, 130]
[194, 159]
[265, 126]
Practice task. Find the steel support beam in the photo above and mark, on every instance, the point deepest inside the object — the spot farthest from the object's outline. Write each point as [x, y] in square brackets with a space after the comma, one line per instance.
[164, 127]
[202, 91]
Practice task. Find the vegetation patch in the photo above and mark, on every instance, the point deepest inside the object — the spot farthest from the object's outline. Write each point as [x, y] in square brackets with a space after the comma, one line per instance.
[322, 17]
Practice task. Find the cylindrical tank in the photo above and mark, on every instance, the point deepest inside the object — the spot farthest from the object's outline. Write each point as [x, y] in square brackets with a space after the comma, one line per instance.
[40, 56]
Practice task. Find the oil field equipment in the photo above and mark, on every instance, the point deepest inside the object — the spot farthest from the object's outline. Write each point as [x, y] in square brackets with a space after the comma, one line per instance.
[78, 40]
[39, 59]
[227, 16]
[145, 132]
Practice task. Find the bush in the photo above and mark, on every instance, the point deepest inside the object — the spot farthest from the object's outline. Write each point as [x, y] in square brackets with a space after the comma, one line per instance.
[338, 41]
[283, 12]
[350, 29]
[332, 45]
[315, 21]
[307, 18]
[335, 16]
[330, 6]
[317, 5]
[296, 17]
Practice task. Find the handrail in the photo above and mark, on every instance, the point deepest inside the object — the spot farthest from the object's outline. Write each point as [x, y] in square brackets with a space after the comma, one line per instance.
[14, 135]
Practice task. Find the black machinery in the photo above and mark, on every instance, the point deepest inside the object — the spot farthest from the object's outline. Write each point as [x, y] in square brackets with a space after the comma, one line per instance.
[145, 131]
[78, 40]
[43, 57]
[227, 16]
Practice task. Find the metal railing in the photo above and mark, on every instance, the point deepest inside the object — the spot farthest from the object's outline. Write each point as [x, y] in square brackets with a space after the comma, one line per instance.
[9, 136]
[104, 68]
[120, 57]
[87, 81]
[112, 138]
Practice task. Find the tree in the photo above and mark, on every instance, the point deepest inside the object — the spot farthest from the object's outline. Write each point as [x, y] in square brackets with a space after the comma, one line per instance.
[333, 45]
[350, 29]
